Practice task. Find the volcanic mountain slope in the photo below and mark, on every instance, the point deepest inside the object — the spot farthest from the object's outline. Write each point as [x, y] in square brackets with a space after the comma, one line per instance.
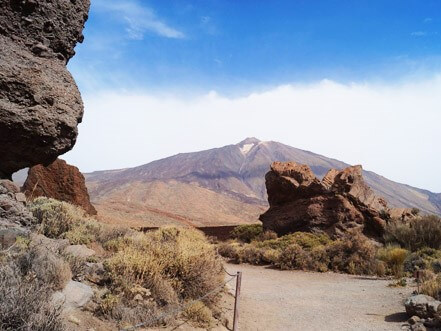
[219, 186]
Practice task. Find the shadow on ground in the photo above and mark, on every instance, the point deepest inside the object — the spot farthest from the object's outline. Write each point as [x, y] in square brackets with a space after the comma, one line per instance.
[396, 317]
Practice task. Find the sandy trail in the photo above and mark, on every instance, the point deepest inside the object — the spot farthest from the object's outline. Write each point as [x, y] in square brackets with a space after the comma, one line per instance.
[296, 300]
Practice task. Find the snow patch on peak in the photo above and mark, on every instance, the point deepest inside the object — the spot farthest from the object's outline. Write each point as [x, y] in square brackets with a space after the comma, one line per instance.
[246, 148]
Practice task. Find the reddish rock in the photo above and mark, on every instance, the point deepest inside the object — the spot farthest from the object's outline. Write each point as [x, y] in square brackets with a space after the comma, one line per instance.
[60, 181]
[340, 202]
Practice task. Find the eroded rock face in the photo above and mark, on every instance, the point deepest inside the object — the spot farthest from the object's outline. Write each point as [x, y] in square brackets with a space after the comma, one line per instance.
[340, 202]
[60, 181]
[40, 105]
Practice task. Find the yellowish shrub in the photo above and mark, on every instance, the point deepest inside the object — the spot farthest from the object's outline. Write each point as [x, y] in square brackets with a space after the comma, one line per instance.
[175, 264]
[394, 258]
[271, 256]
[250, 254]
[199, 314]
[432, 287]
[228, 250]
[108, 303]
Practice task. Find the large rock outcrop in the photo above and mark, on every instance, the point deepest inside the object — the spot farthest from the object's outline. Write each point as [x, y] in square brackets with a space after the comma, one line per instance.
[341, 201]
[40, 105]
[60, 181]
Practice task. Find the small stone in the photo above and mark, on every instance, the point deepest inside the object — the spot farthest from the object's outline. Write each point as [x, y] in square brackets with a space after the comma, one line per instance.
[413, 320]
[20, 197]
[138, 297]
[74, 295]
[81, 251]
[418, 327]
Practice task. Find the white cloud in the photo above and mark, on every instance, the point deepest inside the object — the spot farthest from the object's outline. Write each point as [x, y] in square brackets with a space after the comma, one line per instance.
[393, 130]
[427, 20]
[138, 18]
[418, 34]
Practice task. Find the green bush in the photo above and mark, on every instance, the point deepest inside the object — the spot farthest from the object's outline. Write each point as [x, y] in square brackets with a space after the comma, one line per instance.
[247, 232]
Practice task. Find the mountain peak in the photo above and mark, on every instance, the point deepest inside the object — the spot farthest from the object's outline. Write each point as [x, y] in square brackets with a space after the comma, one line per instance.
[249, 140]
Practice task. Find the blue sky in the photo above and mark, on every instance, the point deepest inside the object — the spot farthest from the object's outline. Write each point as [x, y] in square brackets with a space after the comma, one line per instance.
[359, 81]
[232, 45]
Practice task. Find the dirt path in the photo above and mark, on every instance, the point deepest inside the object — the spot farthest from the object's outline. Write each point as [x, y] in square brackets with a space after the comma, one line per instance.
[296, 300]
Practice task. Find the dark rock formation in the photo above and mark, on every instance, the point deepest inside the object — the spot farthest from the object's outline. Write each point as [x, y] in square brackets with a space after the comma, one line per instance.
[60, 181]
[340, 202]
[40, 105]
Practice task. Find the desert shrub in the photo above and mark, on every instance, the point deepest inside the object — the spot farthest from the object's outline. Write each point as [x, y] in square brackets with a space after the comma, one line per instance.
[26, 300]
[418, 233]
[250, 254]
[303, 239]
[353, 254]
[199, 314]
[266, 235]
[432, 287]
[319, 259]
[228, 250]
[271, 256]
[175, 264]
[294, 257]
[45, 266]
[394, 258]
[425, 258]
[77, 265]
[247, 232]
[59, 219]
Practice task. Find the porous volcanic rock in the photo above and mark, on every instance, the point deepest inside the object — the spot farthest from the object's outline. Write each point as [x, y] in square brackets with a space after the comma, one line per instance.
[40, 105]
[340, 202]
[60, 181]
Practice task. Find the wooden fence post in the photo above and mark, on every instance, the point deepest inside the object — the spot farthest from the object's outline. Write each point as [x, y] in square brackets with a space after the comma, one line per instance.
[236, 302]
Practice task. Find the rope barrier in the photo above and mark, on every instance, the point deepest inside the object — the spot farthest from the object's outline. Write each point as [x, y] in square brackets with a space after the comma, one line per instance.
[231, 275]
[179, 309]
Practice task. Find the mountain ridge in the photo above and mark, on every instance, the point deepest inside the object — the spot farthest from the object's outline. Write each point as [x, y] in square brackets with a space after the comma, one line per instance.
[234, 172]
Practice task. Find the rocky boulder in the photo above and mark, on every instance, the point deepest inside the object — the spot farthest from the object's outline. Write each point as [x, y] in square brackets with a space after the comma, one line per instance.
[422, 305]
[40, 104]
[60, 181]
[340, 202]
[15, 218]
[74, 295]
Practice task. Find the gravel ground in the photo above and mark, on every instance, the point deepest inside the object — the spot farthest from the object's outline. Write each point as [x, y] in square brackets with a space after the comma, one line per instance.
[296, 300]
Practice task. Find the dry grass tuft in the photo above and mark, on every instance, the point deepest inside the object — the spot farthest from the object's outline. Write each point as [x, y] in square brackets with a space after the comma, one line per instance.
[199, 314]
